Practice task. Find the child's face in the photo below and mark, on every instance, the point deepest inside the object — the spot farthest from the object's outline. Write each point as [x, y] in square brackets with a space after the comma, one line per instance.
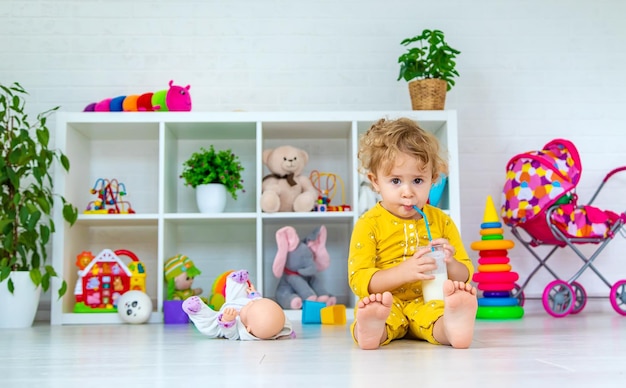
[407, 184]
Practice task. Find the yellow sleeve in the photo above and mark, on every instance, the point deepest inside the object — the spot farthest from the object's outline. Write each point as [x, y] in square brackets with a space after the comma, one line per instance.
[362, 257]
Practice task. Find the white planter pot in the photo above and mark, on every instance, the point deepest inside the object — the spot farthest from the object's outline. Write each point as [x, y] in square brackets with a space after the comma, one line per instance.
[18, 310]
[211, 198]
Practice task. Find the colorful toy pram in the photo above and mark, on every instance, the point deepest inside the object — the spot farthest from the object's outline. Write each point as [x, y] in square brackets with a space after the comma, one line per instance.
[539, 198]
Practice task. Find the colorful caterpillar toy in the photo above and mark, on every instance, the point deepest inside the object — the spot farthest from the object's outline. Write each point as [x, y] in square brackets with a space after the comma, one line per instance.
[176, 98]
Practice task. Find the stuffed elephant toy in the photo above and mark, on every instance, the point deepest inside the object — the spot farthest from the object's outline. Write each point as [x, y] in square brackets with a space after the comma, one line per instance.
[297, 264]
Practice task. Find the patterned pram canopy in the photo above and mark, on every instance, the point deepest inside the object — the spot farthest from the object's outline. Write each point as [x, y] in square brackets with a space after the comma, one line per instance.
[536, 180]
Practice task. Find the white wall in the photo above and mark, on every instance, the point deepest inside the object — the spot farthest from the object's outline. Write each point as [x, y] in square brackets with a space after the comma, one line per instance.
[531, 71]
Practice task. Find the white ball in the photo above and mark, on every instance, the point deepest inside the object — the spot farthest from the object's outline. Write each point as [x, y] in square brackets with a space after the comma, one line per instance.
[134, 307]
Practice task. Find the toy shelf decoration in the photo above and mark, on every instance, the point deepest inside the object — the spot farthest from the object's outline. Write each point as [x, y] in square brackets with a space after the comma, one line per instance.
[326, 185]
[179, 272]
[109, 201]
[436, 191]
[218, 291]
[103, 278]
[174, 98]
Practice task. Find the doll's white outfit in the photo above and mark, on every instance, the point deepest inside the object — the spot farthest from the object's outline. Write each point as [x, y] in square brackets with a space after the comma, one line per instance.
[208, 321]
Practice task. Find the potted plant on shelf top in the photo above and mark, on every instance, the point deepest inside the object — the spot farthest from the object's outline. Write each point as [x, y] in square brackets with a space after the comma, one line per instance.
[208, 170]
[26, 198]
[429, 68]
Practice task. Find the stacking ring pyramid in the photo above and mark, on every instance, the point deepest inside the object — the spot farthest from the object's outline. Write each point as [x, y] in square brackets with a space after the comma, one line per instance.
[494, 276]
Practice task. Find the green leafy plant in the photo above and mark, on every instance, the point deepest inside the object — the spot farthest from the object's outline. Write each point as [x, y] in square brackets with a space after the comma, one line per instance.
[211, 166]
[26, 196]
[432, 58]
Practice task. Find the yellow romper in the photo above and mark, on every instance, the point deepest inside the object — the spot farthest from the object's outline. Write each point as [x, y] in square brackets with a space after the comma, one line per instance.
[381, 240]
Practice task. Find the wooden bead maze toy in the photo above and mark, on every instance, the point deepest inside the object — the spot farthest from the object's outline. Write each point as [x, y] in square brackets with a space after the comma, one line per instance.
[109, 201]
[326, 185]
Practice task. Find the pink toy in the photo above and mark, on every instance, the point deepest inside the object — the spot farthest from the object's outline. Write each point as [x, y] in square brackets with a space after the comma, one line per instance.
[176, 99]
[540, 204]
[297, 264]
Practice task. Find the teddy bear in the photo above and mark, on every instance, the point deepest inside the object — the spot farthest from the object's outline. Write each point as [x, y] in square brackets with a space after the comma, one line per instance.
[297, 264]
[285, 189]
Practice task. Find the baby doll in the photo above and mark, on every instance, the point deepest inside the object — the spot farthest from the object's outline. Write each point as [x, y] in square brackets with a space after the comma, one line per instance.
[245, 315]
[179, 274]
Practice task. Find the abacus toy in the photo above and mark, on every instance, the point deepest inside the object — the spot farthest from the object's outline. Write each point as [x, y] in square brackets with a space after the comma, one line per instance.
[326, 185]
[109, 201]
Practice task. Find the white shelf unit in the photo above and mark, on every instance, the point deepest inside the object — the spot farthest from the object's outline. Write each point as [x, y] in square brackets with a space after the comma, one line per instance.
[145, 151]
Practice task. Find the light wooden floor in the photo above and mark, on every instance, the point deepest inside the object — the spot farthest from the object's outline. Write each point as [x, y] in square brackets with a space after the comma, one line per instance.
[584, 350]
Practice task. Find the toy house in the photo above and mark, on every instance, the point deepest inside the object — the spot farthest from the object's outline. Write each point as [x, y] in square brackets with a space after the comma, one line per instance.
[102, 279]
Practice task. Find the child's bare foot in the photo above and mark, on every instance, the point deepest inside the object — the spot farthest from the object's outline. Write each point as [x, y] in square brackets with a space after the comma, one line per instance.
[459, 313]
[372, 312]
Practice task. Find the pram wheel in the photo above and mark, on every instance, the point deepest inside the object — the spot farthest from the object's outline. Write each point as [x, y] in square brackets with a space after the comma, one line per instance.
[519, 294]
[580, 300]
[618, 297]
[558, 298]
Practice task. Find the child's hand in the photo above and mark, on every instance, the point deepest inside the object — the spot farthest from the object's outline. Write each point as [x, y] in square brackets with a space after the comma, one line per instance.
[416, 267]
[448, 249]
[456, 270]
[229, 314]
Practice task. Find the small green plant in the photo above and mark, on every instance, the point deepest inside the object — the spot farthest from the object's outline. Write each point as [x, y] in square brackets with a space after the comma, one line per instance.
[26, 197]
[210, 166]
[432, 58]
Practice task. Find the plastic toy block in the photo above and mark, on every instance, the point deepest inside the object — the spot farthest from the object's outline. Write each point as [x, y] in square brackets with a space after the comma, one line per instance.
[173, 312]
[334, 315]
[311, 311]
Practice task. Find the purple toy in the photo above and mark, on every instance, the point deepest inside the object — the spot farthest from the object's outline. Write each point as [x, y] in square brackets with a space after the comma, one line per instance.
[176, 98]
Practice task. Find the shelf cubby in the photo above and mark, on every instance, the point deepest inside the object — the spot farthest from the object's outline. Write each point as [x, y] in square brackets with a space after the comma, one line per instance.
[146, 151]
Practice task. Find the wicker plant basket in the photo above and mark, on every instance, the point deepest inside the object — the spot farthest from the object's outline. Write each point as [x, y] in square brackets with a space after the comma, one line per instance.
[428, 94]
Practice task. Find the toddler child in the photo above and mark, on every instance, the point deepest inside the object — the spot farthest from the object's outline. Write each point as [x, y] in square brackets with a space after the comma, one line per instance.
[387, 261]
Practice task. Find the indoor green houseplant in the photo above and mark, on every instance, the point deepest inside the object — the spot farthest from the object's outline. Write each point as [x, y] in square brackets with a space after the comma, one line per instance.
[210, 167]
[428, 58]
[26, 195]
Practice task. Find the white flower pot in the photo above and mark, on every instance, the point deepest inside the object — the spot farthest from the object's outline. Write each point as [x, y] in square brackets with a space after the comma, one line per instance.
[18, 310]
[211, 198]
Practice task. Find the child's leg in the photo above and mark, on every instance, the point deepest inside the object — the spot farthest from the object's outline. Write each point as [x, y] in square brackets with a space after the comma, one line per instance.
[456, 326]
[372, 311]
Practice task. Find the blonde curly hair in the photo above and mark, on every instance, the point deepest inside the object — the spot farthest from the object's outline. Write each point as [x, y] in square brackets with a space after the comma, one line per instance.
[385, 139]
